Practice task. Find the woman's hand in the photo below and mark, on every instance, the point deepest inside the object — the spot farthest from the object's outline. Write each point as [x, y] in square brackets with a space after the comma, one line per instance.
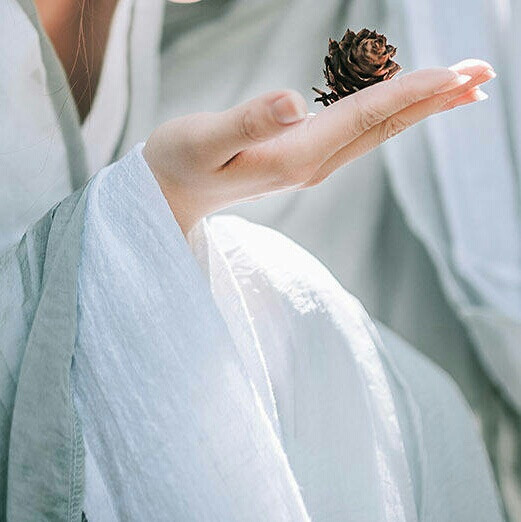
[207, 161]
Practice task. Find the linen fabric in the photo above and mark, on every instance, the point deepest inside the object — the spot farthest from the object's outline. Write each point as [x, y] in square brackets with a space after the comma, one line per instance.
[416, 441]
[167, 398]
[161, 388]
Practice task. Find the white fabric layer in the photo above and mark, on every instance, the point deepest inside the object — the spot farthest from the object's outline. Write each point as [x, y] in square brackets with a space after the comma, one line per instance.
[341, 429]
[231, 305]
[162, 388]
[349, 433]
[444, 452]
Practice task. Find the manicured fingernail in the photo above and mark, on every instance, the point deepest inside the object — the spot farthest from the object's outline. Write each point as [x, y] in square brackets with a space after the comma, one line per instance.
[456, 80]
[491, 74]
[289, 109]
[481, 95]
[462, 79]
[470, 62]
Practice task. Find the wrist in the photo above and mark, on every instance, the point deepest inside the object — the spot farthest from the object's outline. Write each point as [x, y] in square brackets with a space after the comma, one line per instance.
[176, 195]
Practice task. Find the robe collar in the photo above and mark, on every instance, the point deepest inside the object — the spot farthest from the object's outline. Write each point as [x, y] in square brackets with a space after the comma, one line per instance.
[46, 453]
[62, 100]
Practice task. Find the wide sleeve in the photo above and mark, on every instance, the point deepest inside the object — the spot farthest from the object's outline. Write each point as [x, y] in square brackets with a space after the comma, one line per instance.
[173, 419]
[107, 279]
[37, 331]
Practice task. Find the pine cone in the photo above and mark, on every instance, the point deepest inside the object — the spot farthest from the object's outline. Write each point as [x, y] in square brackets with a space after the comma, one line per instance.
[357, 61]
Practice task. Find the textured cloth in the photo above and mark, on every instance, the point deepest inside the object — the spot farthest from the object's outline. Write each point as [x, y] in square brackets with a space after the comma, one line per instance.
[425, 230]
[184, 416]
[157, 392]
[430, 452]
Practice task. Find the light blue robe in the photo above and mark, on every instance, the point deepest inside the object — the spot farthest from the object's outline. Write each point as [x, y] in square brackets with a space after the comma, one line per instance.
[347, 426]
[41, 432]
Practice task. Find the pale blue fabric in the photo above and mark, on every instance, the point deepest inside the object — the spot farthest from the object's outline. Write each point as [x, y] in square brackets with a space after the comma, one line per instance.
[41, 449]
[41, 452]
[140, 291]
[177, 416]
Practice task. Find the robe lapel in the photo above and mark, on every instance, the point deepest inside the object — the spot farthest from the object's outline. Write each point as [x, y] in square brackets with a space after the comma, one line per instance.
[62, 99]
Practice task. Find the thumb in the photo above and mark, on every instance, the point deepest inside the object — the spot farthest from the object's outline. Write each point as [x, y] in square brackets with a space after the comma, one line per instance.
[254, 121]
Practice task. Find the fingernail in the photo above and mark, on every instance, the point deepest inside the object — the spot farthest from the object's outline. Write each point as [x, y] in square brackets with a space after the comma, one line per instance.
[462, 79]
[491, 73]
[481, 95]
[470, 62]
[456, 80]
[289, 109]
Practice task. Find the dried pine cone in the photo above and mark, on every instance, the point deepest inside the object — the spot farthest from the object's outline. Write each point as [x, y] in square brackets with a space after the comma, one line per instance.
[357, 61]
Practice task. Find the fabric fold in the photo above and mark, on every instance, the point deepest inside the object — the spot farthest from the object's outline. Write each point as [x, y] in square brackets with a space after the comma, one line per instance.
[175, 379]
[465, 207]
[160, 386]
[230, 302]
[339, 422]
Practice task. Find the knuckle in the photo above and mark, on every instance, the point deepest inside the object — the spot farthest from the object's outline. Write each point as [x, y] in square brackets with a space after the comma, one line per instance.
[365, 116]
[248, 127]
[406, 94]
[392, 127]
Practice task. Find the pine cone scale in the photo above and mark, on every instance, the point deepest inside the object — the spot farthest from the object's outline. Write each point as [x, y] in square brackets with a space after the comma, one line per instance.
[358, 61]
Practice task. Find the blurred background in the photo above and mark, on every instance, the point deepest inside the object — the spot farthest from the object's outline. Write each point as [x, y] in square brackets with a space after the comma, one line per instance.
[426, 230]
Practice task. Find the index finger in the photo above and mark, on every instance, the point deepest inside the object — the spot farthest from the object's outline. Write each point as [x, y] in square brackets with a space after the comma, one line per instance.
[350, 117]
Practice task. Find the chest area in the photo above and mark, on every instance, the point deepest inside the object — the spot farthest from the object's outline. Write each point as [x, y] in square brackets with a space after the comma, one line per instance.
[79, 31]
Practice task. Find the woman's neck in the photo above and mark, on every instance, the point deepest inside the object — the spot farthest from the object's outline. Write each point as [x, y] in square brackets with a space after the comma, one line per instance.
[79, 30]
